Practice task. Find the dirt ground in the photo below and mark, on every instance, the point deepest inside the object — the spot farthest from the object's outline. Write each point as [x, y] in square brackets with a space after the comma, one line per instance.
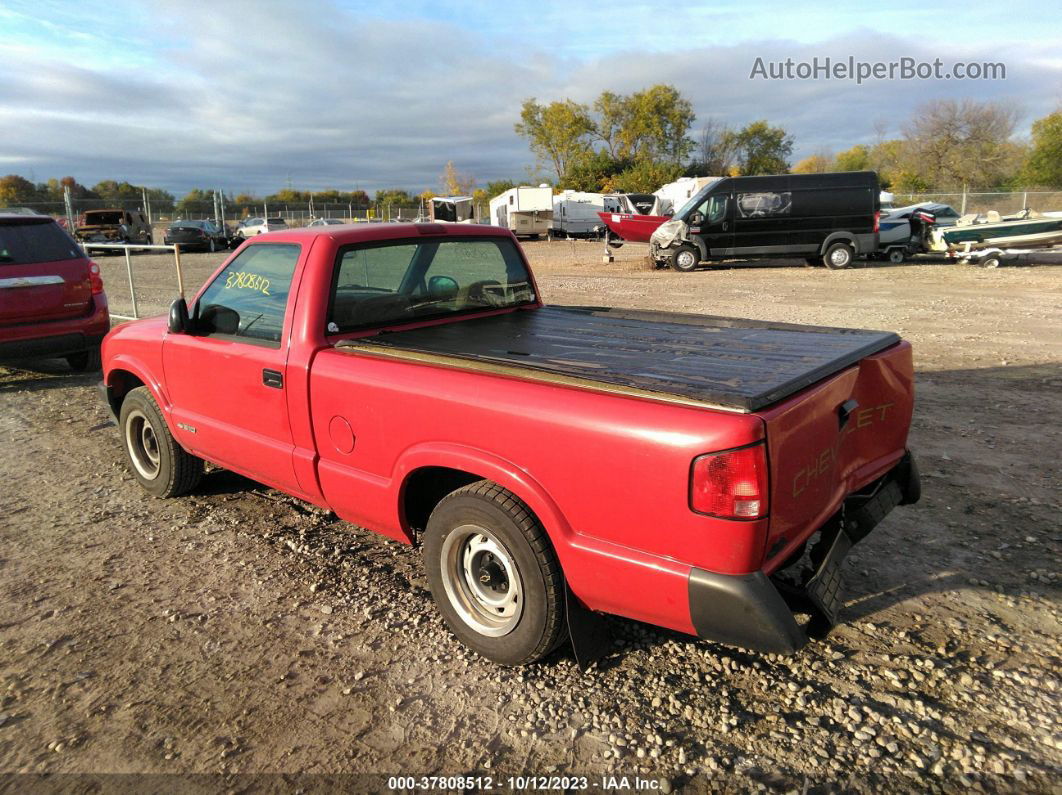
[239, 631]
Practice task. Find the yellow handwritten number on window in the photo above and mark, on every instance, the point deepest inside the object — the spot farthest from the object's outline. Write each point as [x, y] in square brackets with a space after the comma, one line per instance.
[247, 281]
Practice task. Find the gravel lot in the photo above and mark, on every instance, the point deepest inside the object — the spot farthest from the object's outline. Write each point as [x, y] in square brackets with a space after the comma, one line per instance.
[238, 630]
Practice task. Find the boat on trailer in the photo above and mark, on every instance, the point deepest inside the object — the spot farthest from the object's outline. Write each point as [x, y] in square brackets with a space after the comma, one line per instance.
[1027, 229]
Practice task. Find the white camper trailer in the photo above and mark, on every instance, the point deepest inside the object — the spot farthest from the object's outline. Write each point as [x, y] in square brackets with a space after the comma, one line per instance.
[525, 211]
[682, 190]
[453, 209]
[575, 214]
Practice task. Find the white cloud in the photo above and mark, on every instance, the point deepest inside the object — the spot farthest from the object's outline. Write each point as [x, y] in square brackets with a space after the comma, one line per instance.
[331, 98]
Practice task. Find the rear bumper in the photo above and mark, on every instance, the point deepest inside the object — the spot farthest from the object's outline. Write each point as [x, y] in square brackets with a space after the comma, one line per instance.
[56, 338]
[749, 610]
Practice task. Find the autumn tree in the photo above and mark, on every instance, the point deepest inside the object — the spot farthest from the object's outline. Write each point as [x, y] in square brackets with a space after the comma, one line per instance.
[16, 190]
[814, 164]
[713, 154]
[454, 183]
[761, 149]
[961, 143]
[855, 159]
[498, 187]
[1043, 166]
[557, 133]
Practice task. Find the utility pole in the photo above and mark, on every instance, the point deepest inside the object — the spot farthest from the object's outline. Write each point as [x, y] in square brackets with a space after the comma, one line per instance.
[69, 203]
[147, 205]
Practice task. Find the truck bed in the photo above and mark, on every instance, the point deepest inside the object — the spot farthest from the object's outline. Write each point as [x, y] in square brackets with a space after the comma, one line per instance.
[730, 363]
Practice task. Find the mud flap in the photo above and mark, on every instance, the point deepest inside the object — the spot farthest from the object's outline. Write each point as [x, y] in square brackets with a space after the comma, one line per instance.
[823, 590]
[587, 630]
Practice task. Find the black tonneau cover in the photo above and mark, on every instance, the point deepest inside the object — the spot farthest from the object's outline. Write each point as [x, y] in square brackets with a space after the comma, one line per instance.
[727, 362]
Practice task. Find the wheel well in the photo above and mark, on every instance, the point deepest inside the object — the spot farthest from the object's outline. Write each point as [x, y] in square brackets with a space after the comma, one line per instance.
[119, 384]
[838, 237]
[423, 490]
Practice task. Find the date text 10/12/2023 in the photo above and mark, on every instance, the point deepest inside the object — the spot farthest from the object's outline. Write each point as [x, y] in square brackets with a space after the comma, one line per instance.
[527, 783]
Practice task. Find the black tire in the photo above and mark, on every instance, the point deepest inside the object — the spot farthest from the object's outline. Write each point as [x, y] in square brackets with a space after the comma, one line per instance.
[684, 258]
[897, 256]
[838, 256]
[484, 516]
[85, 361]
[161, 466]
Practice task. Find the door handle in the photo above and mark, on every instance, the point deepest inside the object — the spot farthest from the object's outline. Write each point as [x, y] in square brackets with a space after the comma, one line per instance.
[844, 412]
[273, 378]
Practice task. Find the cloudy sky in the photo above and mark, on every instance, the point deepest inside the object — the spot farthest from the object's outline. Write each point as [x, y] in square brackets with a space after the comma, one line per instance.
[340, 94]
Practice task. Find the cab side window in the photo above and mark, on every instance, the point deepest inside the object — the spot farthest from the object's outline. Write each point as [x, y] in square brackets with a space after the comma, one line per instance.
[248, 298]
[714, 208]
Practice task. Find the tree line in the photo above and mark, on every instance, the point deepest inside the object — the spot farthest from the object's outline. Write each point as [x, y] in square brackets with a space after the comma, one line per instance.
[646, 139]
[640, 141]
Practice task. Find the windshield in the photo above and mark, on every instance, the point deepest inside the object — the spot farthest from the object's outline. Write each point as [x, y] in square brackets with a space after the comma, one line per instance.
[402, 281]
[101, 217]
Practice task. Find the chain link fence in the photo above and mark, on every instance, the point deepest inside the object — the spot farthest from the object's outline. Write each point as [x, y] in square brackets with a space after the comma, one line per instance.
[299, 214]
[1004, 203]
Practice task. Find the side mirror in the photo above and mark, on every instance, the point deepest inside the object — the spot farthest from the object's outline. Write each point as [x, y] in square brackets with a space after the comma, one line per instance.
[219, 320]
[442, 288]
[696, 219]
[179, 316]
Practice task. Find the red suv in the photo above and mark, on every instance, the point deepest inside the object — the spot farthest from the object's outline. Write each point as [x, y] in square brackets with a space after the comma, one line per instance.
[52, 302]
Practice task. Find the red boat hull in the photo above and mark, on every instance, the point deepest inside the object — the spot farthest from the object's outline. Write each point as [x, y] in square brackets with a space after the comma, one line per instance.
[632, 228]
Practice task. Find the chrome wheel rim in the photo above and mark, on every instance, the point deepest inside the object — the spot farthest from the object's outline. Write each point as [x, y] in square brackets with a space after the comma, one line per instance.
[839, 257]
[143, 444]
[481, 581]
[686, 260]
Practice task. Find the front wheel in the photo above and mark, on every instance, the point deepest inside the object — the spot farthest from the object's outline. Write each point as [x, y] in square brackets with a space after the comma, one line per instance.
[897, 256]
[838, 255]
[493, 574]
[161, 466]
[685, 258]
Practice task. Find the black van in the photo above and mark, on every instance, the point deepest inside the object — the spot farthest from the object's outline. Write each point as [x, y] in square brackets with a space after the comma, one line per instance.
[826, 218]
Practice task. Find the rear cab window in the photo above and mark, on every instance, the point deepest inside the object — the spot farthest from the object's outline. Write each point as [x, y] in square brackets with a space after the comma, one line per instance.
[23, 243]
[402, 281]
[247, 301]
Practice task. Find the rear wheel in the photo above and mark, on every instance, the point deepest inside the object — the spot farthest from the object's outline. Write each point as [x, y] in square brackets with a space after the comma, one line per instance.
[897, 256]
[493, 574]
[86, 361]
[161, 466]
[838, 256]
[685, 258]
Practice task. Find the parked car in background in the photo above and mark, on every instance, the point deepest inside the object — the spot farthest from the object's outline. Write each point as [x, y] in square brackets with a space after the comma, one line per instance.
[114, 226]
[199, 235]
[249, 227]
[52, 302]
[326, 222]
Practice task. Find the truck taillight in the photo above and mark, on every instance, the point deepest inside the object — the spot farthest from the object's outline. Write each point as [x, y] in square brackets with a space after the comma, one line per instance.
[95, 280]
[877, 221]
[731, 484]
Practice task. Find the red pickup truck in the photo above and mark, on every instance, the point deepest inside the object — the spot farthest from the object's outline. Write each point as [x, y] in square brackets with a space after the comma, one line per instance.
[699, 473]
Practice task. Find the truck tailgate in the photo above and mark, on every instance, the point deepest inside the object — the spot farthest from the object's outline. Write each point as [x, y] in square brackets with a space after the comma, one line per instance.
[833, 439]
